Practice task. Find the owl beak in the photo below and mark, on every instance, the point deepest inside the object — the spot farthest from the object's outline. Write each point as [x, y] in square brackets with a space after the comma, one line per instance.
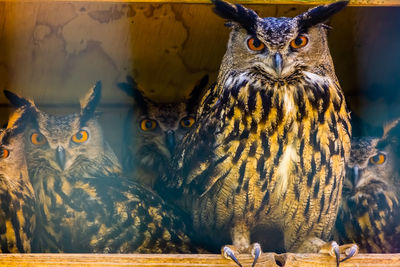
[170, 140]
[60, 157]
[278, 63]
[356, 175]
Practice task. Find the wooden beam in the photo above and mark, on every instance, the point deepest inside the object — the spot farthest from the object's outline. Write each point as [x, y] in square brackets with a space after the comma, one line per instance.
[284, 2]
[266, 259]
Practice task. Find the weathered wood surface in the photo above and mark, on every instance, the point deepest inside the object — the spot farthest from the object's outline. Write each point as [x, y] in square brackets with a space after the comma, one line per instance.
[285, 2]
[267, 260]
[54, 51]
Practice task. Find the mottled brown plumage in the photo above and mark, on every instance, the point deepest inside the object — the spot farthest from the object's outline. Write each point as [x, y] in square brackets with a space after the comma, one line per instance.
[370, 210]
[83, 205]
[152, 130]
[17, 201]
[265, 161]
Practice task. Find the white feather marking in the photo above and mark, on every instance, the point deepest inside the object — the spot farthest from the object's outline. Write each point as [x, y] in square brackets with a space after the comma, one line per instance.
[242, 77]
[288, 102]
[314, 78]
[228, 81]
[284, 168]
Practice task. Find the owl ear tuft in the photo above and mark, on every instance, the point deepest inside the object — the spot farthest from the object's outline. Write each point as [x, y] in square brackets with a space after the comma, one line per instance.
[391, 134]
[131, 89]
[196, 94]
[246, 17]
[90, 102]
[26, 109]
[319, 14]
[18, 101]
[16, 123]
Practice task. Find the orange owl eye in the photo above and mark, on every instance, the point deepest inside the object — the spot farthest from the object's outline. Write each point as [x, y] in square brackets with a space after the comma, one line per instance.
[378, 159]
[38, 139]
[80, 137]
[4, 153]
[148, 125]
[187, 122]
[299, 42]
[255, 44]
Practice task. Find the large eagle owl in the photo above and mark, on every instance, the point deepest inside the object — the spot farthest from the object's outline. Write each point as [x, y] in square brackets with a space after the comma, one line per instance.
[265, 161]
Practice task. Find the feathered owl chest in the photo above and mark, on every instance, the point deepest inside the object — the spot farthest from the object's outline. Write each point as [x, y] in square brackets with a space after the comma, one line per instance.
[260, 145]
[270, 124]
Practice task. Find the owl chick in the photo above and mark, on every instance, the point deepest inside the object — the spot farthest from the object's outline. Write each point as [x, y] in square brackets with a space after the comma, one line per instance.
[82, 202]
[370, 210]
[266, 159]
[17, 213]
[152, 131]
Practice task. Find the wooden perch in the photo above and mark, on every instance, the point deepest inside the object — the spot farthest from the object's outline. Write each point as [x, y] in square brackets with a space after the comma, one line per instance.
[266, 259]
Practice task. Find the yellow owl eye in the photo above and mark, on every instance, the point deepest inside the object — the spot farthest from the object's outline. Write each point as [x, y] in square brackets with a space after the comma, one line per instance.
[4, 153]
[187, 122]
[299, 42]
[378, 159]
[38, 139]
[255, 44]
[81, 137]
[148, 125]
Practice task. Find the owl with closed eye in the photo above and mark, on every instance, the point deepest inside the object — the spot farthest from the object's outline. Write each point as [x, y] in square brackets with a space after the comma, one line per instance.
[370, 210]
[17, 199]
[83, 204]
[263, 166]
[152, 130]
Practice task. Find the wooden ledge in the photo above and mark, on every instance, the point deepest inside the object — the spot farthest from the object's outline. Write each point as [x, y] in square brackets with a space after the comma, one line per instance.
[247, 2]
[267, 259]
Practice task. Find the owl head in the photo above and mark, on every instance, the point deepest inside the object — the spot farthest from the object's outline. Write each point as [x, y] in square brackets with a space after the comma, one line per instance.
[374, 160]
[13, 168]
[153, 129]
[277, 48]
[64, 142]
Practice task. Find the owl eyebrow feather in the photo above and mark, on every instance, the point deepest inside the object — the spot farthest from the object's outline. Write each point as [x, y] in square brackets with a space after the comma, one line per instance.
[89, 103]
[247, 18]
[132, 90]
[319, 14]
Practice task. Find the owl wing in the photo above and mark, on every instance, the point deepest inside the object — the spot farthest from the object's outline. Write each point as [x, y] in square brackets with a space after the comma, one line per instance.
[195, 159]
[115, 215]
[370, 218]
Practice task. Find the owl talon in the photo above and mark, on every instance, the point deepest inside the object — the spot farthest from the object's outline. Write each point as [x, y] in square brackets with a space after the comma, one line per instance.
[333, 249]
[349, 250]
[229, 254]
[255, 252]
[336, 250]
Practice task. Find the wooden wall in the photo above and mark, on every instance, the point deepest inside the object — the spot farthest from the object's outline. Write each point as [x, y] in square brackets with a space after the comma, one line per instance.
[53, 52]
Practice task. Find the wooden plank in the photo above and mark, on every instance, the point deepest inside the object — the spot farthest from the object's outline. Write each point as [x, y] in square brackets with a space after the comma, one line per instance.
[279, 2]
[159, 260]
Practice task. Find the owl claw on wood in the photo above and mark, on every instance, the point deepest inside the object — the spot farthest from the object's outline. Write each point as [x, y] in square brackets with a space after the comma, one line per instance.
[230, 252]
[334, 250]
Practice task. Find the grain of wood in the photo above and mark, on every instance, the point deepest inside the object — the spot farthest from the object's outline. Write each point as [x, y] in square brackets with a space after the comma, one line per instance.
[284, 2]
[158, 260]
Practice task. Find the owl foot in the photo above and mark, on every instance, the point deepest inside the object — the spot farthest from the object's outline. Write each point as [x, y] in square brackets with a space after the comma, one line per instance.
[349, 250]
[333, 249]
[229, 253]
[255, 252]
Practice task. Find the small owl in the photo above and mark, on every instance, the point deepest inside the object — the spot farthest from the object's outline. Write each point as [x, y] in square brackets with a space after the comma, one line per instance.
[17, 213]
[370, 210]
[265, 161]
[152, 131]
[83, 204]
